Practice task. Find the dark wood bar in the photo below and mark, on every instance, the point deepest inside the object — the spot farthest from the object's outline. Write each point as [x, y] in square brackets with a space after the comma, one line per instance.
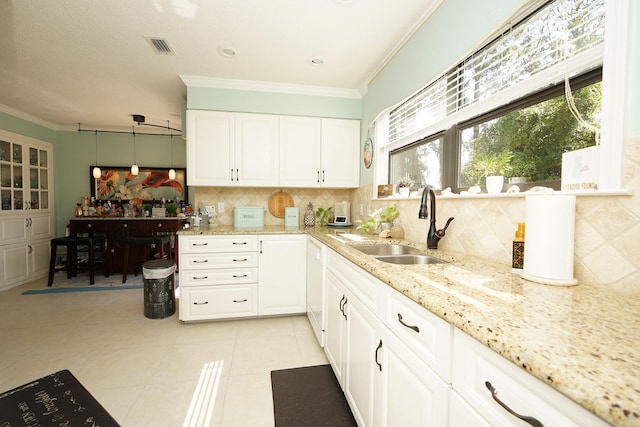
[117, 228]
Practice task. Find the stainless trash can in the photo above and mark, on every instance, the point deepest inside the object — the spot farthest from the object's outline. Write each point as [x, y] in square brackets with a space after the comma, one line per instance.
[159, 288]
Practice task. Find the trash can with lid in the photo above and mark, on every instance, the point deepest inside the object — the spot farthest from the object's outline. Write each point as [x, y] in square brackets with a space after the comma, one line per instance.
[159, 290]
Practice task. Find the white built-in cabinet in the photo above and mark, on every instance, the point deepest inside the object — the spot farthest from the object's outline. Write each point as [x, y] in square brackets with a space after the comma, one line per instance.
[282, 274]
[232, 149]
[400, 365]
[319, 152]
[26, 218]
[262, 150]
[233, 276]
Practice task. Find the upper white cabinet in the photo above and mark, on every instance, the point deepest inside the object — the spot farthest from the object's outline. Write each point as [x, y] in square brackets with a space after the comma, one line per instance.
[259, 150]
[318, 152]
[232, 149]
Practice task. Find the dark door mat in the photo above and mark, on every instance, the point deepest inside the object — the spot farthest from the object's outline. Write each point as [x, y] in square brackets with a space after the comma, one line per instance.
[55, 400]
[309, 396]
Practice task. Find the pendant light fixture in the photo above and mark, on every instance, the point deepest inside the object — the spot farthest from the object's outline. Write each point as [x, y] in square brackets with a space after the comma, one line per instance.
[172, 171]
[134, 167]
[97, 173]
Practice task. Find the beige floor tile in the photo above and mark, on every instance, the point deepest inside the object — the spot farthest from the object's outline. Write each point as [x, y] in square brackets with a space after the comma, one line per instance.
[248, 401]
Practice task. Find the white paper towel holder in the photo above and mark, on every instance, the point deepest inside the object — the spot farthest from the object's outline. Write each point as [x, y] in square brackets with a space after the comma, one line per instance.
[547, 281]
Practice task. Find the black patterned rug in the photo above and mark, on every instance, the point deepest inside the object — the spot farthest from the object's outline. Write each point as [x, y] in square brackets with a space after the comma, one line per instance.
[309, 396]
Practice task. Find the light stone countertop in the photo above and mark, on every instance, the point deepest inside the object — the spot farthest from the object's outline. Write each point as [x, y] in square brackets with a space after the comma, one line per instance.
[583, 340]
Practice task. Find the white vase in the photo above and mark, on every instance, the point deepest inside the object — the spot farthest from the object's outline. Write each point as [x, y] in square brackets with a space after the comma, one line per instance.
[495, 184]
[404, 191]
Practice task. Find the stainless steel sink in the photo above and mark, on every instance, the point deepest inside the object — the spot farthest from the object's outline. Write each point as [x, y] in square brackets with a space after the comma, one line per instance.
[410, 259]
[386, 249]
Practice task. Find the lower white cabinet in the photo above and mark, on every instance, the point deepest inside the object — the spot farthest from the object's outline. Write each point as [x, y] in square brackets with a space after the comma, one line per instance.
[477, 369]
[282, 274]
[229, 276]
[25, 248]
[385, 382]
[409, 393]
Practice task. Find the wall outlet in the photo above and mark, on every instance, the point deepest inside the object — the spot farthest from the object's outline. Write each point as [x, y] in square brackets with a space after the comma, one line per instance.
[220, 207]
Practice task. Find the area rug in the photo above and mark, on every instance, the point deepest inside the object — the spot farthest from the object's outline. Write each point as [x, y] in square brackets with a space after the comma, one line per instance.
[55, 400]
[80, 283]
[309, 396]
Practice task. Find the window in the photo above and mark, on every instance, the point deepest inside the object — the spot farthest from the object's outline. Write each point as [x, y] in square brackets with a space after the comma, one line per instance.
[488, 104]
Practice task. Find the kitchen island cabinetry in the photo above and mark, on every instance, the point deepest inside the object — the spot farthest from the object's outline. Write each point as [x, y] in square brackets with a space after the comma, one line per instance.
[232, 149]
[317, 152]
[282, 274]
[230, 276]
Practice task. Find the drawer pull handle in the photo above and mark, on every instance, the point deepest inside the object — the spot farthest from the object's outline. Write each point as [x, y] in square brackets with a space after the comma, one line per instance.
[241, 300]
[240, 260]
[377, 350]
[239, 243]
[530, 420]
[237, 276]
[197, 261]
[200, 278]
[201, 303]
[199, 244]
[415, 328]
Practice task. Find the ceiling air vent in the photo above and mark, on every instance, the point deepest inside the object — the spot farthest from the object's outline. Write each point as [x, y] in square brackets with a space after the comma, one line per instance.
[161, 46]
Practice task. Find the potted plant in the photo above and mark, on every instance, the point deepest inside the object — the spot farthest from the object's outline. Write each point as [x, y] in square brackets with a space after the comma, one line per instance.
[404, 186]
[493, 167]
[324, 216]
[388, 215]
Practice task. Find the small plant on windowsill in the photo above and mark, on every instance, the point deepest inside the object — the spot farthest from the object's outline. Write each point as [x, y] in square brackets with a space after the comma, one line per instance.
[404, 186]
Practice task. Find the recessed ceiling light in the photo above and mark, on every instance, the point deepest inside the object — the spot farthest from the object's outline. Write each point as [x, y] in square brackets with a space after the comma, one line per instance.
[227, 52]
[316, 61]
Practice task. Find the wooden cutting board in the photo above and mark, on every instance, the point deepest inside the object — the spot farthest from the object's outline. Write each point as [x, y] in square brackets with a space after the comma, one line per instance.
[278, 201]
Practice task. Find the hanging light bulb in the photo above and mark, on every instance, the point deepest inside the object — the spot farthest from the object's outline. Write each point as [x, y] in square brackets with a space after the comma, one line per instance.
[97, 173]
[172, 171]
[134, 167]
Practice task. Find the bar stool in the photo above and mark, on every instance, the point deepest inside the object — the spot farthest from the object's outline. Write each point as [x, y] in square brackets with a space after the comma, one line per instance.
[144, 242]
[72, 244]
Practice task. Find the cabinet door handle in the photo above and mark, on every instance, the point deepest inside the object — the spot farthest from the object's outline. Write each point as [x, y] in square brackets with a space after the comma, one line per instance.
[415, 328]
[322, 176]
[236, 276]
[376, 355]
[343, 306]
[201, 303]
[240, 300]
[318, 181]
[231, 175]
[529, 420]
[237, 175]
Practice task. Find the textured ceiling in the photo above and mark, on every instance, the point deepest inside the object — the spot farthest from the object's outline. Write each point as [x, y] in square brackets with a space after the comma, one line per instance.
[65, 62]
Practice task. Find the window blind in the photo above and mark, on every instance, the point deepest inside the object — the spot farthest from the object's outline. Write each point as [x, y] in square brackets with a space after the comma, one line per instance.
[559, 34]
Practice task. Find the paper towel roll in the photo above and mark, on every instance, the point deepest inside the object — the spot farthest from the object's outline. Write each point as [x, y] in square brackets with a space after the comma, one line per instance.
[549, 239]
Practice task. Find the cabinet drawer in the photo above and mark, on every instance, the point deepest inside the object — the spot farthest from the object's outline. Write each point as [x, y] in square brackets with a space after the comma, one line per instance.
[474, 364]
[218, 302]
[218, 260]
[426, 334]
[222, 276]
[226, 243]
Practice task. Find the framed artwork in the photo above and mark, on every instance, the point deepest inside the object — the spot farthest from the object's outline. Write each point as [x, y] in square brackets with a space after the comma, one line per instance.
[367, 153]
[116, 182]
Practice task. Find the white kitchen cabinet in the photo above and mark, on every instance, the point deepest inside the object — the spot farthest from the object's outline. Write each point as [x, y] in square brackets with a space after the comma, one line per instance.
[336, 326]
[318, 152]
[218, 276]
[409, 393]
[232, 149]
[282, 274]
[475, 366]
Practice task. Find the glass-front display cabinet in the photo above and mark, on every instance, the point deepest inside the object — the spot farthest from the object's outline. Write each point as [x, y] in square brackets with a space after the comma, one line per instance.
[17, 161]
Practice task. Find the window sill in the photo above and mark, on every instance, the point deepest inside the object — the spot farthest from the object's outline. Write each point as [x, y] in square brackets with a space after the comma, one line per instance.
[589, 193]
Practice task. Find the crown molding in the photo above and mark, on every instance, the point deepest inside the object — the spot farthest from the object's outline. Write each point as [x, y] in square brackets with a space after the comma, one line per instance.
[259, 86]
[28, 117]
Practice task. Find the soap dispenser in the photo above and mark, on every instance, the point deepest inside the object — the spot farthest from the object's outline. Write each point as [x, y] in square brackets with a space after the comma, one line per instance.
[517, 263]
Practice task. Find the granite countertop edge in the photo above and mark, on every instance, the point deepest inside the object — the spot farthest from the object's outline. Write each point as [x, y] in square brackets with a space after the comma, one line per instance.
[576, 339]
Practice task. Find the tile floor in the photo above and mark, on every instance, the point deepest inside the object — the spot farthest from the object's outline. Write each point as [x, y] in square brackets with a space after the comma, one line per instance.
[144, 371]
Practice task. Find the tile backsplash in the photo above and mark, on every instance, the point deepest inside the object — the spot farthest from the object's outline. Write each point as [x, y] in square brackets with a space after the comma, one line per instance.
[606, 234]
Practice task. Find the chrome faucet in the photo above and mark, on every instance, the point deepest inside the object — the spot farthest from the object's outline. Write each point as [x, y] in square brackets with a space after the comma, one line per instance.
[434, 235]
